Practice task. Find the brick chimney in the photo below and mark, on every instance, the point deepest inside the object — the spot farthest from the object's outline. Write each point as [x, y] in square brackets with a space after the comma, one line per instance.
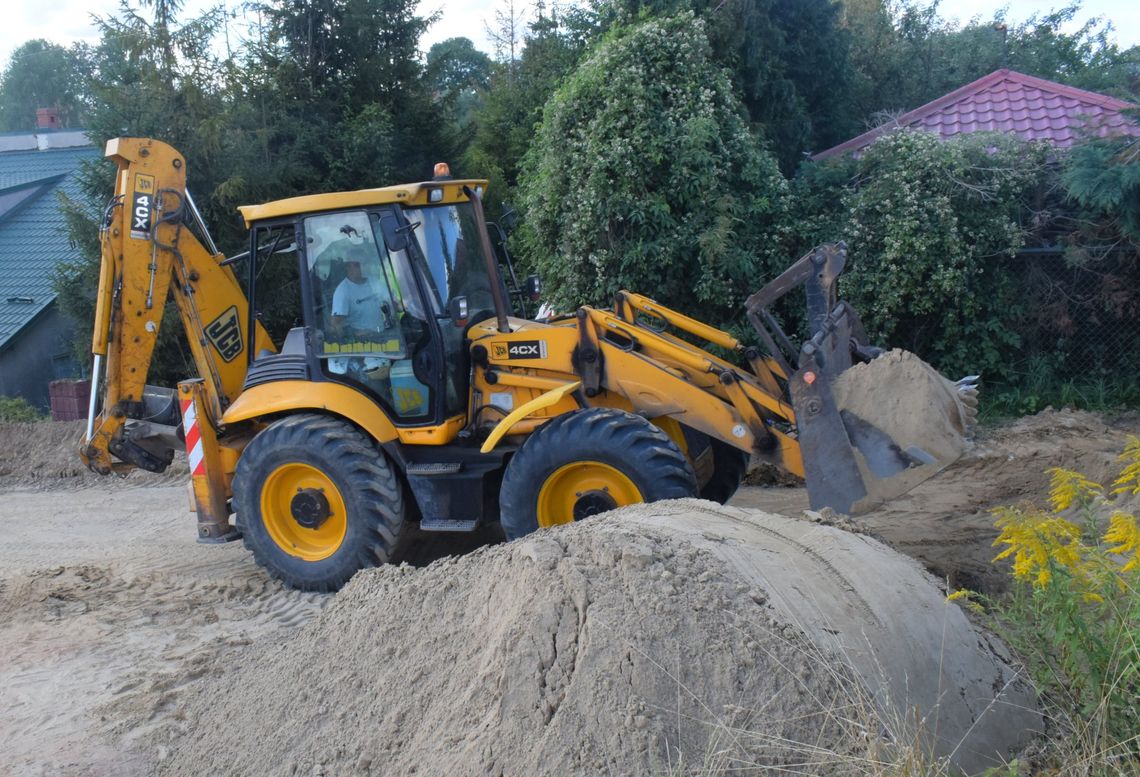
[47, 118]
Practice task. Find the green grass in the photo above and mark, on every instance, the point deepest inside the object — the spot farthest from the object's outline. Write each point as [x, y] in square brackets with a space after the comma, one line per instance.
[1104, 394]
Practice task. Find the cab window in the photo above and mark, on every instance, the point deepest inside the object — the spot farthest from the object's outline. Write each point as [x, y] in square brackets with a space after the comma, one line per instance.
[449, 240]
[277, 301]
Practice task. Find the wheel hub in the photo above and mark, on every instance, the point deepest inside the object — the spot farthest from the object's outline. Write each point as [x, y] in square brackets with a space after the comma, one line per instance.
[593, 502]
[310, 507]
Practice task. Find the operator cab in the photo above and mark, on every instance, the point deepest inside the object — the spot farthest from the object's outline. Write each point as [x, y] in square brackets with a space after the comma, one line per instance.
[374, 295]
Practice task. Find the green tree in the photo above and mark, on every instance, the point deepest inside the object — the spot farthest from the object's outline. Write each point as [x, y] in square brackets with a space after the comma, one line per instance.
[1102, 177]
[788, 61]
[40, 74]
[644, 175]
[459, 75]
[907, 54]
[504, 128]
[320, 63]
[455, 66]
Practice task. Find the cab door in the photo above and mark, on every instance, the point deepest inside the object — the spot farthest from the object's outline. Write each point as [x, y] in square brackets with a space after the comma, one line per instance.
[371, 328]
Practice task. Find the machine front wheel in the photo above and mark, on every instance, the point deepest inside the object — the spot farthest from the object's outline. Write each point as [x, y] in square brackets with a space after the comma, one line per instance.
[587, 462]
[316, 501]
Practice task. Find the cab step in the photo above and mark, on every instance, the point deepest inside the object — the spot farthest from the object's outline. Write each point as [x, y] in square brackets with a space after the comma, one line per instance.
[448, 524]
[435, 469]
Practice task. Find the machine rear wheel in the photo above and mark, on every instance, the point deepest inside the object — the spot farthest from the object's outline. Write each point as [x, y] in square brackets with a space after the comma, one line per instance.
[316, 501]
[588, 462]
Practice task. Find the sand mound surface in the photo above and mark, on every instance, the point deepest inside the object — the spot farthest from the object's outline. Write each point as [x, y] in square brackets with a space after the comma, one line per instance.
[631, 644]
[44, 456]
[909, 400]
[946, 522]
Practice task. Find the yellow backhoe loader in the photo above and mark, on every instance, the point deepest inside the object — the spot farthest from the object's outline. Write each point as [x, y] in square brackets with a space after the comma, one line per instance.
[360, 371]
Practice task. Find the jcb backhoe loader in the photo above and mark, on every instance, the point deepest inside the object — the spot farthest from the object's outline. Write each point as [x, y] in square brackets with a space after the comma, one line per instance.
[370, 375]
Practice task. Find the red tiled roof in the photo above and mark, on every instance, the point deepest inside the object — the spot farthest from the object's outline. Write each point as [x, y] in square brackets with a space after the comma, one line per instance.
[1008, 101]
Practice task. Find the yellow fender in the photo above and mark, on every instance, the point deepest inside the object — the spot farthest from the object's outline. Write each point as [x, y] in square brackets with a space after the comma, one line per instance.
[552, 397]
[299, 395]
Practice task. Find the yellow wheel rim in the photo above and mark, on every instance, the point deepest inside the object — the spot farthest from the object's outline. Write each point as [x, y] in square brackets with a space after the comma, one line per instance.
[672, 428]
[581, 489]
[303, 511]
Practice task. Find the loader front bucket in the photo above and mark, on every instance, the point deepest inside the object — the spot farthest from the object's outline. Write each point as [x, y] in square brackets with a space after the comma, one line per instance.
[871, 425]
[878, 429]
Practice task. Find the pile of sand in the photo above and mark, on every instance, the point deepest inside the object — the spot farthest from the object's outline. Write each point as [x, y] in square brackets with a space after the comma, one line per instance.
[44, 456]
[946, 521]
[922, 412]
[908, 399]
[630, 644]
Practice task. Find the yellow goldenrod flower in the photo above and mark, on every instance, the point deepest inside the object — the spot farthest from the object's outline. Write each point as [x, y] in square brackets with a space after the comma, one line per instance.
[1129, 479]
[1039, 543]
[961, 593]
[1067, 487]
[1125, 534]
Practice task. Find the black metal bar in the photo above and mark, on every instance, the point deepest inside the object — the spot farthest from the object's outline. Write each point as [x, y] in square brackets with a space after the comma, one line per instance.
[761, 329]
[489, 256]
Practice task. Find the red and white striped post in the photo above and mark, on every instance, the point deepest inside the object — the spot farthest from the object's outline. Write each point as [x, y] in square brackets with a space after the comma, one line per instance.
[207, 476]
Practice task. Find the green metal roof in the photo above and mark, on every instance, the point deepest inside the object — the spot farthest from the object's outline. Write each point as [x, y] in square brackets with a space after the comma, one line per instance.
[32, 230]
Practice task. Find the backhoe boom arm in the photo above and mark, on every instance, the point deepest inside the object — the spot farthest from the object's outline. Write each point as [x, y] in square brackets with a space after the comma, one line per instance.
[148, 253]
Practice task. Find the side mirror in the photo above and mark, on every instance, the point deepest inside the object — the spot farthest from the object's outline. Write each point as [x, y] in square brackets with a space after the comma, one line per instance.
[509, 219]
[395, 234]
[533, 287]
[457, 310]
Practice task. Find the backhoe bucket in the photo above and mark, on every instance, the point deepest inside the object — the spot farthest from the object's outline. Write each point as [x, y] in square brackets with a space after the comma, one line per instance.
[871, 424]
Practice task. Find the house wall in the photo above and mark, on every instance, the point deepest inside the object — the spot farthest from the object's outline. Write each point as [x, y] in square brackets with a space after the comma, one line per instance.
[40, 353]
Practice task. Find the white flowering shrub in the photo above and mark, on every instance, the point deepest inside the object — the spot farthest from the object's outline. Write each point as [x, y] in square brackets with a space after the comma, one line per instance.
[933, 228]
[645, 176]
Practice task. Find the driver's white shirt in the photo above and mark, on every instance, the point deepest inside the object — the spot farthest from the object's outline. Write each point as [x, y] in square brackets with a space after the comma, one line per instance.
[360, 303]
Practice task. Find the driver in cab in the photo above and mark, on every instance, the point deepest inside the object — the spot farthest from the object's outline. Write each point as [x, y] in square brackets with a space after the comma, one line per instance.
[360, 305]
[362, 310]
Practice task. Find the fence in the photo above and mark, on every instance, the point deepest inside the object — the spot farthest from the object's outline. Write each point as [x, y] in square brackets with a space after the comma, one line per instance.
[1079, 324]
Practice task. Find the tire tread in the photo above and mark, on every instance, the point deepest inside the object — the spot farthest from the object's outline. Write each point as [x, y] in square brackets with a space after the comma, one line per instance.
[358, 462]
[591, 433]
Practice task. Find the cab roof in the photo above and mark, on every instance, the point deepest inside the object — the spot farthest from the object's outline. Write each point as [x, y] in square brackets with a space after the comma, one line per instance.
[412, 194]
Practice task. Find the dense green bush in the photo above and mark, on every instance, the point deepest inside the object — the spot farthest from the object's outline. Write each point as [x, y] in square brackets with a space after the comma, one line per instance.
[645, 176]
[17, 409]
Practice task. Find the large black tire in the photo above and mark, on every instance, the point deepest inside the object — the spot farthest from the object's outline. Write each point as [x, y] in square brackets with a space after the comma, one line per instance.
[729, 466]
[358, 524]
[590, 444]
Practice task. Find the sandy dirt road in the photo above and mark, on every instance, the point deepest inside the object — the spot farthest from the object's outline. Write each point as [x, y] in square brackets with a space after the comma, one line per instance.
[102, 589]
